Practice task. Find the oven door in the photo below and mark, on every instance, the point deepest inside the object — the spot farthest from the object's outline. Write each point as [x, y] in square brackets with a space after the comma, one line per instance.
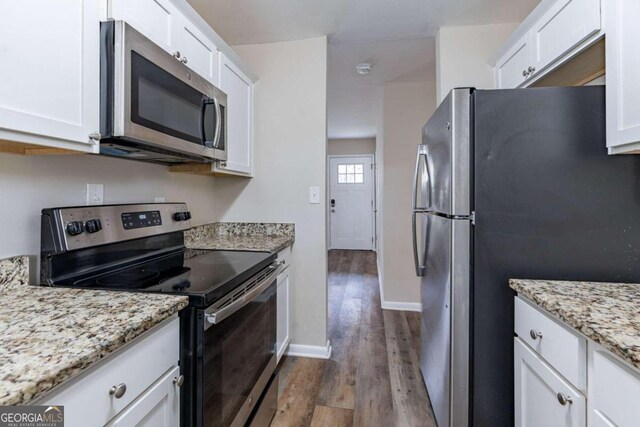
[160, 102]
[238, 352]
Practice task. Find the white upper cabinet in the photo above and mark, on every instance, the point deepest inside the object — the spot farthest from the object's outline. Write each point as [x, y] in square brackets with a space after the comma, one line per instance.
[553, 33]
[153, 18]
[49, 77]
[623, 76]
[196, 50]
[563, 27]
[513, 69]
[162, 23]
[239, 90]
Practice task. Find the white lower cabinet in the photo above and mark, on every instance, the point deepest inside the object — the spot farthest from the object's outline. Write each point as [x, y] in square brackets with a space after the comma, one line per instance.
[552, 388]
[138, 385]
[283, 334]
[543, 397]
[159, 406]
[614, 390]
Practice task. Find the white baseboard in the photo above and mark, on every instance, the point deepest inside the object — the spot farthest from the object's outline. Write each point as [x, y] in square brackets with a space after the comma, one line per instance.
[313, 351]
[401, 306]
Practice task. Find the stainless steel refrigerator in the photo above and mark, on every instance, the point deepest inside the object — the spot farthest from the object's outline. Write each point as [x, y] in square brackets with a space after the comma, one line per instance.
[510, 184]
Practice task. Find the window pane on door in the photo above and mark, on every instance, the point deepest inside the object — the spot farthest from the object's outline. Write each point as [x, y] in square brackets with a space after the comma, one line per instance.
[351, 173]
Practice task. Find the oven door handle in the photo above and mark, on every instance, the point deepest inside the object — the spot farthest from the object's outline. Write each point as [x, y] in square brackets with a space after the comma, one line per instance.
[218, 315]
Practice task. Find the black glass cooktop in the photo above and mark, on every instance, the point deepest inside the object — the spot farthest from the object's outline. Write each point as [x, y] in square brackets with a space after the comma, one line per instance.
[203, 275]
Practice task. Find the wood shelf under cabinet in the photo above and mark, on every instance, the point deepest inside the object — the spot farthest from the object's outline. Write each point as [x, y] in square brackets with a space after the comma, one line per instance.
[11, 147]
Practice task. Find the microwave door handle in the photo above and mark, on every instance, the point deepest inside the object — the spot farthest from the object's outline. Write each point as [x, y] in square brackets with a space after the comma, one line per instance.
[205, 101]
[216, 141]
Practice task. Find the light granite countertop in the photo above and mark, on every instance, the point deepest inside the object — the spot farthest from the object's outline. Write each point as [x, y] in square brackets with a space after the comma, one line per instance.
[607, 313]
[49, 335]
[241, 236]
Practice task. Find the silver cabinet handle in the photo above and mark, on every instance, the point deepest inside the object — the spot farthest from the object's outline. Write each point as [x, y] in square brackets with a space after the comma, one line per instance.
[223, 164]
[176, 54]
[564, 399]
[184, 60]
[118, 390]
[535, 334]
[531, 70]
[524, 73]
[179, 380]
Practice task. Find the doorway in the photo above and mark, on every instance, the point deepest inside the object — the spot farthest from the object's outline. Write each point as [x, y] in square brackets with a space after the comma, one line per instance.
[351, 202]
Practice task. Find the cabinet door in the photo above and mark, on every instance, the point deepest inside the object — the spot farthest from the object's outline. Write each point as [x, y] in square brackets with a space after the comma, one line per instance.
[196, 50]
[512, 69]
[623, 78]
[539, 391]
[563, 27]
[239, 90]
[153, 18]
[613, 390]
[282, 336]
[159, 406]
[49, 85]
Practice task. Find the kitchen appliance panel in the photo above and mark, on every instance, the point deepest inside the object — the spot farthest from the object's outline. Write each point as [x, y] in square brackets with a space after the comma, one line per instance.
[153, 107]
[447, 153]
[435, 328]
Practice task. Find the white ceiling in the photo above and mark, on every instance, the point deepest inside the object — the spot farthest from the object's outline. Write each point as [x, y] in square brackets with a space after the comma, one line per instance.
[396, 36]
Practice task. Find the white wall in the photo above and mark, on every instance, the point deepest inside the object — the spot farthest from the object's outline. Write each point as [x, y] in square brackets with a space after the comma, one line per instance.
[340, 147]
[30, 183]
[290, 156]
[406, 108]
[462, 56]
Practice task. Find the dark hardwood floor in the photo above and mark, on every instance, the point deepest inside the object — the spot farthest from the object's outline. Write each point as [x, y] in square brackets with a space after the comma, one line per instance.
[373, 377]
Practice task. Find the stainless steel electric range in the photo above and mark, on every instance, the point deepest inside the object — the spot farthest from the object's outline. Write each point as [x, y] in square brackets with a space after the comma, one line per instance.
[228, 331]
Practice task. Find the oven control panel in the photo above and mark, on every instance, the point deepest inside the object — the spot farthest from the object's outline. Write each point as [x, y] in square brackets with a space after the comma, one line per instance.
[131, 220]
[87, 226]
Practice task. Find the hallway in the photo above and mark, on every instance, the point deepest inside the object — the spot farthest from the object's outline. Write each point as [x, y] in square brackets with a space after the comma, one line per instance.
[373, 377]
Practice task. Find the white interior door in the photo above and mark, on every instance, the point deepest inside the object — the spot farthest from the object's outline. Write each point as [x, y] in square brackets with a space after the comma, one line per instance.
[351, 202]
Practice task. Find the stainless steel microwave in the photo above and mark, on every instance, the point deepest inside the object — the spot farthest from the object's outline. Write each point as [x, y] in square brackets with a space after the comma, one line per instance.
[153, 107]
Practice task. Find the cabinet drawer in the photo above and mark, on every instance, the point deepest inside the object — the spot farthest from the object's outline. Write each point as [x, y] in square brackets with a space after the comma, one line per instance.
[284, 257]
[559, 345]
[87, 400]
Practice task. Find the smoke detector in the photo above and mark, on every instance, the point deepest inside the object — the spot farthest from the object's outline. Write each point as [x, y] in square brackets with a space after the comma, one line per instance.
[364, 68]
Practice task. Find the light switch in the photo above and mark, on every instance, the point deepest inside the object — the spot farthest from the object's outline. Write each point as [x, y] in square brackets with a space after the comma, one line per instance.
[95, 194]
[314, 195]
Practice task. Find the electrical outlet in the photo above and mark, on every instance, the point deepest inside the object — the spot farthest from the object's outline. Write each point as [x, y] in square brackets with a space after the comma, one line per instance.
[314, 195]
[95, 194]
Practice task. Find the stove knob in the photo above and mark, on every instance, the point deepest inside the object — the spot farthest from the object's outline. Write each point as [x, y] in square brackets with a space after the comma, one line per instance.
[181, 216]
[93, 225]
[75, 227]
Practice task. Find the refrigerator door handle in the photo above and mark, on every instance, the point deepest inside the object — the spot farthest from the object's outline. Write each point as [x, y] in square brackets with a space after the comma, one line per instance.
[420, 267]
[422, 153]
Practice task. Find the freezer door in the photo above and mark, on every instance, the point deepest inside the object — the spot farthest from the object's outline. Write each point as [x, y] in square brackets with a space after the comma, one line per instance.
[446, 138]
[444, 331]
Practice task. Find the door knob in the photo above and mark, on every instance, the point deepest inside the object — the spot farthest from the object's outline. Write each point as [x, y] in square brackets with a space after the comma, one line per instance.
[179, 380]
[564, 399]
[535, 334]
